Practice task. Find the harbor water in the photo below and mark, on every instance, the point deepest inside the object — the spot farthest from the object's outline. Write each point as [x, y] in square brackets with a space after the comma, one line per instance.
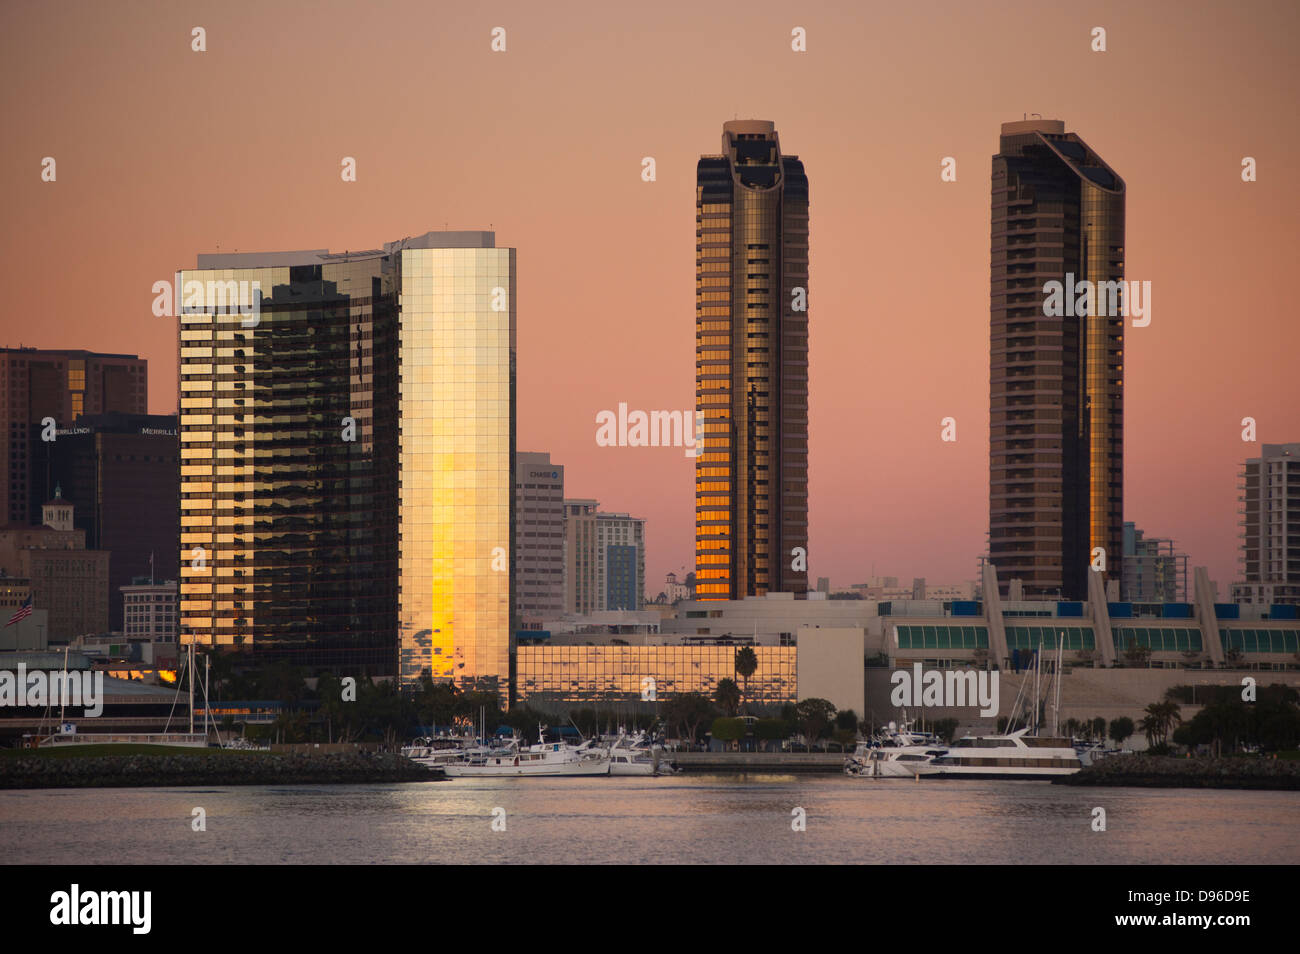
[692, 819]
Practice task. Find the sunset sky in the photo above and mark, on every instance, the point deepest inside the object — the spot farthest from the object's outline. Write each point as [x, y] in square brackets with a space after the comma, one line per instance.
[163, 153]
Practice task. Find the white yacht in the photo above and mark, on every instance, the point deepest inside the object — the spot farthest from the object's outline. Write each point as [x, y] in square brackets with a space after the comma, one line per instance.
[907, 761]
[636, 756]
[895, 752]
[441, 749]
[1017, 755]
[508, 759]
[1091, 751]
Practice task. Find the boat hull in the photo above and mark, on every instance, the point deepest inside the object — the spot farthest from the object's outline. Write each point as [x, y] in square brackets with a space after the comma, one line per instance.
[632, 768]
[888, 770]
[1019, 773]
[506, 768]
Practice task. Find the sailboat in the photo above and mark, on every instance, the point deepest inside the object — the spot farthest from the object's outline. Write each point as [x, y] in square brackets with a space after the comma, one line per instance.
[68, 733]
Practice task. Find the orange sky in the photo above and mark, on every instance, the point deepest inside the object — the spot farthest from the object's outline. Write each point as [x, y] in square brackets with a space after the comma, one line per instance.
[163, 153]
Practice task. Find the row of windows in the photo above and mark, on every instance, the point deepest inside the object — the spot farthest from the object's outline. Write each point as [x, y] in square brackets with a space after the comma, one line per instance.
[1031, 637]
[1262, 640]
[943, 637]
[1158, 640]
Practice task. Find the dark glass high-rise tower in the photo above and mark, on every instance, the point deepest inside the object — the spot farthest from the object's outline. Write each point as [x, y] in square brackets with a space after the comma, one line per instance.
[120, 473]
[751, 366]
[1056, 414]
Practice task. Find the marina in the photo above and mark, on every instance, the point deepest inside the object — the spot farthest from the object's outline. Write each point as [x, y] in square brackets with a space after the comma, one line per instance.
[474, 756]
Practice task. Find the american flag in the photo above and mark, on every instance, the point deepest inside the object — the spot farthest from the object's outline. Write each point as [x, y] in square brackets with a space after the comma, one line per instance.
[24, 611]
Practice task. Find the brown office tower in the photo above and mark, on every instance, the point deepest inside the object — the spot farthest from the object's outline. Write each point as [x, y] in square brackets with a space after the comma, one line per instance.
[41, 386]
[751, 367]
[1056, 411]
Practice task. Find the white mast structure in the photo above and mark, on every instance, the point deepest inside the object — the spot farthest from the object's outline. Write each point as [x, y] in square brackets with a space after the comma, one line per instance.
[189, 667]
[1056, 705]
[1038, 668]
[63, 686]
[207, 704]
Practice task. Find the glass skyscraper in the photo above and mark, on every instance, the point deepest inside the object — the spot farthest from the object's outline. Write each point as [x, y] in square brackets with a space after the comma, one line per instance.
[456, 452]
[751, 366]
[346, 456]
[1056, 422]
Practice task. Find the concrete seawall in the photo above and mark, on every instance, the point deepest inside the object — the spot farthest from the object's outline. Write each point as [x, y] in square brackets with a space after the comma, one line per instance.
[1153, 771]
[759, 761]
[146, 771]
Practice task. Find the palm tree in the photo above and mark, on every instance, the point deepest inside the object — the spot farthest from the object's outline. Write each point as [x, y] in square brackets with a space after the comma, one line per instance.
[1160, 718]
[1150, 726]
[1171, 715]
[746, 664]
[727, 696]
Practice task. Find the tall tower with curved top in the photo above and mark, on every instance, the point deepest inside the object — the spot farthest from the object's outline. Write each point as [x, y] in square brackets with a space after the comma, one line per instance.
[1056, 382]
[751, 367]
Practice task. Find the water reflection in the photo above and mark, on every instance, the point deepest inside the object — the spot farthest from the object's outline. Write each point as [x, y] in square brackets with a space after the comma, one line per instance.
[695, 819]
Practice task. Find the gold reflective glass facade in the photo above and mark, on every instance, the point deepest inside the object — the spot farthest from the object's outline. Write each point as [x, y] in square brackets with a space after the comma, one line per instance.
[456, 464]
[1102, 252]
[1056, 442]
[578, 674]
[751, 477]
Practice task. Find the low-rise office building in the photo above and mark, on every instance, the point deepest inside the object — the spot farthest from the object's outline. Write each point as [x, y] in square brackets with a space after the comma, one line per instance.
[150, 610]
[590, 675]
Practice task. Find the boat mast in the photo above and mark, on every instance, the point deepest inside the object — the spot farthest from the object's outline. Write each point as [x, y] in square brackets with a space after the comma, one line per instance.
[1038, 668]
[1056, 706]
[1015, 706]
[207, 703]
[189, 666]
